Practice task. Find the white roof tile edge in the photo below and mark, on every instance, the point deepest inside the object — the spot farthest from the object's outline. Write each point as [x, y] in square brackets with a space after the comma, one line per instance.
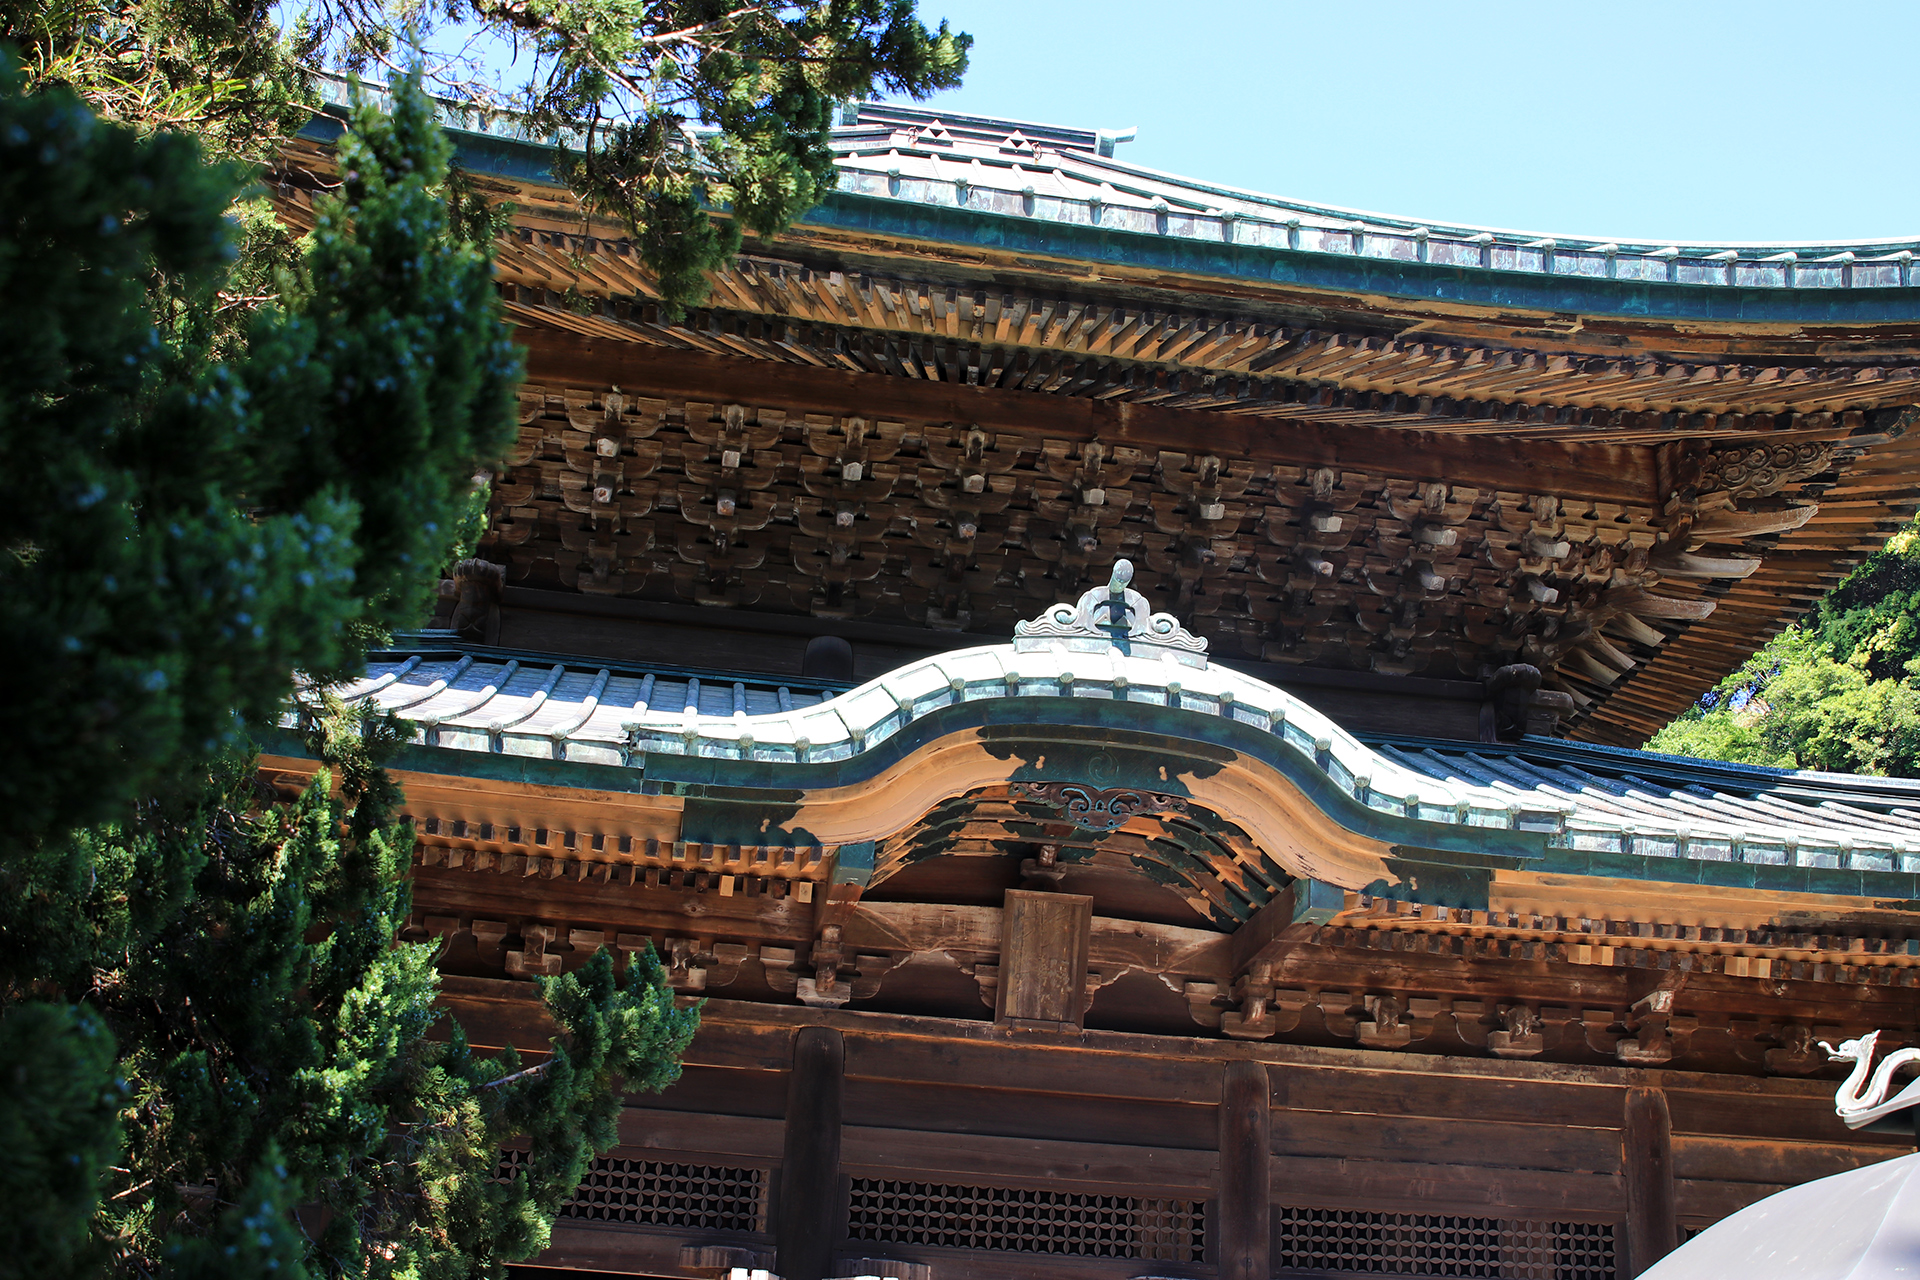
[865, 717]
[1073, 188]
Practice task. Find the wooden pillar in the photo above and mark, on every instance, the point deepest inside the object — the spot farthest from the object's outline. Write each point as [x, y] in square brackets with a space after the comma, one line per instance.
[1653, 1229]
[810, 1223]
[1245, 1204]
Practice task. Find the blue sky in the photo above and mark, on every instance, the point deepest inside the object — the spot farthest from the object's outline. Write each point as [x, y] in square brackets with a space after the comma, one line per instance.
[1677, 122]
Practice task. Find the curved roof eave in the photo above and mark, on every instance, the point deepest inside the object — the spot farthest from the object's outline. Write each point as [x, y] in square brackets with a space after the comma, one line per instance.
[1093, 166]
[1172, 224]
[1441, 226]
[1222, 737]
[1252, 255]
[1068, 206]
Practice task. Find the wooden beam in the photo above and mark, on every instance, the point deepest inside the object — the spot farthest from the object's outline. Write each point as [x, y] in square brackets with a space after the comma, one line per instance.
[1610, 473]
[1646, 1160]
[812, 1211]
[1244, 1208]
[1294, 915]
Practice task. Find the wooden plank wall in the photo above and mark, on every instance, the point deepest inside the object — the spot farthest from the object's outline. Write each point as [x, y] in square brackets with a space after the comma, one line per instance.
[965, 1104]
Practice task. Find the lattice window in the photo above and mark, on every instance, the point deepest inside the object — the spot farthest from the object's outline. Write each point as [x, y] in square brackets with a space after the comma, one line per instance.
[1019, 1220]
[662, 1193]
[1425, 1244]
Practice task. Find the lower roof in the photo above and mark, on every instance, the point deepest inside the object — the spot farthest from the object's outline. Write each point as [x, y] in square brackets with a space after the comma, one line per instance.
[1591, 808]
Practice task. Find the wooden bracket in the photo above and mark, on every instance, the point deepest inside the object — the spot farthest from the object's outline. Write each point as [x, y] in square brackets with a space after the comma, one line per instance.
[1291, 917]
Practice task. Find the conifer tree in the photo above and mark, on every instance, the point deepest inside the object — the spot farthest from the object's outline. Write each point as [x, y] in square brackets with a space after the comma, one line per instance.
[672, 109]
[218, 1061]
[186, 522]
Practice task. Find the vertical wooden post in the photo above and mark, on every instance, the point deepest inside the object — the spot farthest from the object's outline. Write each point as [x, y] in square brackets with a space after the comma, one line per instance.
[1244, 1220]
[1653, 1229]
[809, 1226]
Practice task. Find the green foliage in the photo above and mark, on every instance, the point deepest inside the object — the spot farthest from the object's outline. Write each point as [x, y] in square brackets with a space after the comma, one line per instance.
[60, 1130]
[681, 106]
[1839, 692]
[219, 1060]
[279, 1049]
[759, 83]
[219, 69]
[186, 519]
[259, 1235]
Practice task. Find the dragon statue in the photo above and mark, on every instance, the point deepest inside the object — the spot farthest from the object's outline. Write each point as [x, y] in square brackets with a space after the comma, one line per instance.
[1860, 1101]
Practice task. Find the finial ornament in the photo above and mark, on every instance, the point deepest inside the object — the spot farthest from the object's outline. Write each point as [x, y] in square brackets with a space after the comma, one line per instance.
[1860, 1101]
[1109, 618]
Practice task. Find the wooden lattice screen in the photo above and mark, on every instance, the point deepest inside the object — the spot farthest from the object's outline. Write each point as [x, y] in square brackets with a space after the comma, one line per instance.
[663, 1193]
[1025, 1220]
[1425, 1244]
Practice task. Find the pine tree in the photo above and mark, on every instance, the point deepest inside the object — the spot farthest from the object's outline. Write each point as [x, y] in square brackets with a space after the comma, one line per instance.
[679, 109]
[185, 522]
[219, 1061]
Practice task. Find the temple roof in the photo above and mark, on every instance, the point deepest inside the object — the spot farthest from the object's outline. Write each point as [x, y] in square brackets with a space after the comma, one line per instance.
[1073, 178]
[1335, 440]
[1225, 837]
[1592, 809]
[920, 156]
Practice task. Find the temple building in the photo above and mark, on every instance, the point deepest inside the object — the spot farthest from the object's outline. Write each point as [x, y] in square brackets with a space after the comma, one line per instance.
[1120, 694]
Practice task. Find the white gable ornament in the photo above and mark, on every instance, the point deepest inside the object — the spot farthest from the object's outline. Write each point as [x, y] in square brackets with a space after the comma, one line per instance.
[1860, 1101]
[1113, 618]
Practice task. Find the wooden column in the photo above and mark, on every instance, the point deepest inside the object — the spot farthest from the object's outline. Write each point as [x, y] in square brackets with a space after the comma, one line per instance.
[1653, 1230]
[810, 1223]
[1245, 1204]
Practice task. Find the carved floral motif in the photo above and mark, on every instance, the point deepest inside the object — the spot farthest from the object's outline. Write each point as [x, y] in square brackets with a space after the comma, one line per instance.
[1113, 616]
[1101, 810]
[1755, 471]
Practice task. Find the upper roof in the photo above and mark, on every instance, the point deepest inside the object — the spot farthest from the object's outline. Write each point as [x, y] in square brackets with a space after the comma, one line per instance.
[1335, 440]
[1075, 177]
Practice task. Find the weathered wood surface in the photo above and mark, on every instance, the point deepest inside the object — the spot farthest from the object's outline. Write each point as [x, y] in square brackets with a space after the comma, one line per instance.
[1701, 1203]
[1409, 1186]
[1456, 982]
[1059, 1116]
[1647, 1164]
[648, 1128]
[974, 1104]
[1047, 1162]
[1461, 1140]
[1563, 544]
[747, 1035]
[616, 1250]
[1558, 1100]
[1242, 1223]
[1043, 959]
[1761, 1158]
[1594, 471]
[812, 1206]
[1418, 383]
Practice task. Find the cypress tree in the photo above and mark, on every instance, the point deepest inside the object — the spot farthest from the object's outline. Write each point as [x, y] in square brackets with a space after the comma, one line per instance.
[221, 1061]
[694, 122]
